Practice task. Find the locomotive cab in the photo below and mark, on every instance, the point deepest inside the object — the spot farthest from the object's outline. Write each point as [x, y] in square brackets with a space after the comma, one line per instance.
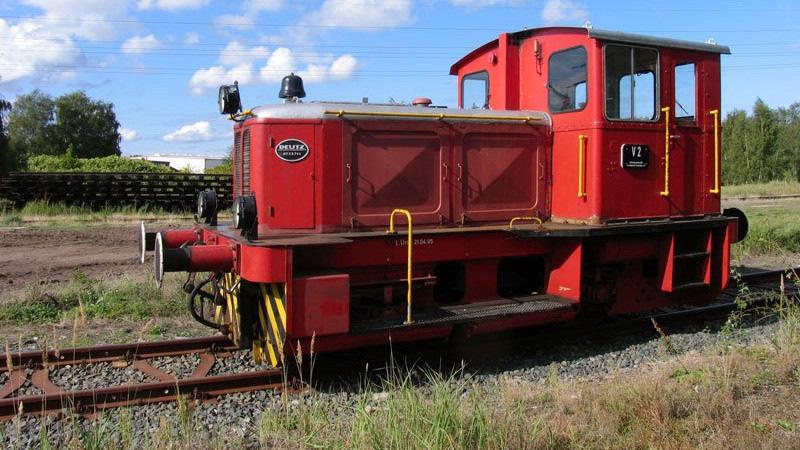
[635, 118]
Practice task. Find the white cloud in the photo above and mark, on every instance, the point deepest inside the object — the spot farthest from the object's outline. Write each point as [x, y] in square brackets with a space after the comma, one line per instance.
[250, 10]
[484, 3]
[240, 21]
[235, 54]
[362, 13]
[343, 67]
[141, 44]
[213, 77]
[263, 5]
[191, 38]
[560, 11]
[44, 46]
[82, 18]
[196, 132]
[241, 63]
[279, 64]
[128, 135]
[22, 53]
[171, 5]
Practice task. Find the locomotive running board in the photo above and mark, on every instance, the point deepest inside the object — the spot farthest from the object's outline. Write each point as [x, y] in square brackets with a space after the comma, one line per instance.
[473, 312]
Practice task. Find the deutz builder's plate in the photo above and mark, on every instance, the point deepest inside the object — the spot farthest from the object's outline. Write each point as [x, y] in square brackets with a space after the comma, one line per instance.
[635, 156]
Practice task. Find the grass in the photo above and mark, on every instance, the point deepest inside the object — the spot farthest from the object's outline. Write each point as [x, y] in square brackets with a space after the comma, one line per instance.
[41, 212]
[91, 298]
[772, 188]
[774, 230]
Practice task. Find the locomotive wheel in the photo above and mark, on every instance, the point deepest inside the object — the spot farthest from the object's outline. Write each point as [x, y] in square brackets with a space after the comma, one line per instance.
[254, 316]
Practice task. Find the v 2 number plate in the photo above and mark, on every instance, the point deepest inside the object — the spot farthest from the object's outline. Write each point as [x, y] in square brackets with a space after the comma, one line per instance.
[635, 156]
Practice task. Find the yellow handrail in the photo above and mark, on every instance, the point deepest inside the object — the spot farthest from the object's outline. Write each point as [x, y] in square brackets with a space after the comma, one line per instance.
[440, 116]
[410, 243]
[511, 224]
[715, 113]
[581, 163]
[665, 192]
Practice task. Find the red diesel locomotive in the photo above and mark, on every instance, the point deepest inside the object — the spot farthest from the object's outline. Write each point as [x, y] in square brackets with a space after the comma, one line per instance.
[580, 173]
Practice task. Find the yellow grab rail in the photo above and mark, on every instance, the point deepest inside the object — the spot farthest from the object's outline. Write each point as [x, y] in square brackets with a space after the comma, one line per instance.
[535, 219]
[665, 192]
[581, 165]
[410, 243]
[440, 116]
[715, 113]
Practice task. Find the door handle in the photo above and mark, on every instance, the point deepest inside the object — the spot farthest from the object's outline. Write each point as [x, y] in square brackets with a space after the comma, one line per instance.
[460, 171]
[444, 175]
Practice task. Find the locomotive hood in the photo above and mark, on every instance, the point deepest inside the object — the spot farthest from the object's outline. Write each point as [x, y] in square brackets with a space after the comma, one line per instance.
[322, 110]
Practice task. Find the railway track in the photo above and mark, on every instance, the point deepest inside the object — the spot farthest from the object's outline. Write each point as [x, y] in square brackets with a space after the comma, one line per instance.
[762, 197]
[34, 367]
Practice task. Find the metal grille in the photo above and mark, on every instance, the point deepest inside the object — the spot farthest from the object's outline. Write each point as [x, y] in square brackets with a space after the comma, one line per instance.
[237, 164]
[246, 163]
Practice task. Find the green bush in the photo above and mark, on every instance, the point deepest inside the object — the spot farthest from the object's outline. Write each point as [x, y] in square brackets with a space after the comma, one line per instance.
[68, 163]
[226, 168]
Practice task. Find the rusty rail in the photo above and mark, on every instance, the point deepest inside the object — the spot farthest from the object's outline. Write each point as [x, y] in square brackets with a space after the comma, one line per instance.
[198, 385]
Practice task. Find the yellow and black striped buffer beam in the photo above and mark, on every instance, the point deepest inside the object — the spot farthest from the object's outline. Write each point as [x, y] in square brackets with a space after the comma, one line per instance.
[272, 318]
[228, 313]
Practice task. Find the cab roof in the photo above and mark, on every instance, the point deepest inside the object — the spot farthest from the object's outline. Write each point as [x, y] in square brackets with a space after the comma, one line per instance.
[603, 35]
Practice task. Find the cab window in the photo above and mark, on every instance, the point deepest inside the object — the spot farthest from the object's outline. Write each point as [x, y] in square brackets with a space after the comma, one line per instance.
[475, 91]
[685, 88]
[566, 83]
[631, 78]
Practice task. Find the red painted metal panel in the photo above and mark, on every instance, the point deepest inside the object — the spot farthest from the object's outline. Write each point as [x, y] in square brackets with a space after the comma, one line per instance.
[291, 203]
[321, 305]
[565, 265]
[393, 164]
[264, 264]
[500, 172]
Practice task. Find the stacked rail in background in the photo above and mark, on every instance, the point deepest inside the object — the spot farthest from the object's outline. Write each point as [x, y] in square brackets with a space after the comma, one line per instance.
[167, 191]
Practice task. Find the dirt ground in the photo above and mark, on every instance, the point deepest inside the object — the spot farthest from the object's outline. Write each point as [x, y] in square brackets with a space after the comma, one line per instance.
[51, 255]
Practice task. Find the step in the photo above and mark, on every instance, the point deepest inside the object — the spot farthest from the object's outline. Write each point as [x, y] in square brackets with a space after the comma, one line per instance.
[472, 312]
[691, 255]
[692, 285]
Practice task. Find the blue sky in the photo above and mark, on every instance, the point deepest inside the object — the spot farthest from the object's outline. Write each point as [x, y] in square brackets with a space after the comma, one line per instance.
[160, 61]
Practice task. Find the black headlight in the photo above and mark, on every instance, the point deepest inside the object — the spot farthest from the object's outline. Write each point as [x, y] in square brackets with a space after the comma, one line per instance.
[244, 212]
[229, 100]
[207, 206]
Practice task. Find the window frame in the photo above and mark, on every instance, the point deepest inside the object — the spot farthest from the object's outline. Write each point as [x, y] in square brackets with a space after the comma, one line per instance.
[586, 80]
[486, 94]
[657, 98]
[687, 121]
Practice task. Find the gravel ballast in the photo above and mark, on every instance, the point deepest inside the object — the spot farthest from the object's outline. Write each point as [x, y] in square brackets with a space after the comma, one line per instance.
[232, 420]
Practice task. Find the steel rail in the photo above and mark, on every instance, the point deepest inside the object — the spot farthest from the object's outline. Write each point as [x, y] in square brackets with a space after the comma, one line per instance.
[114, 352]
[92, 400]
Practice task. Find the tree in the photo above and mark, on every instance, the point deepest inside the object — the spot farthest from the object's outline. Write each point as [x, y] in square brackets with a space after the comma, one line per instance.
[763, 146]
[734, 156]
[5, 156]
[89, 126]
[29, 127]
[788, 142]
[39, 125]
[761, 139]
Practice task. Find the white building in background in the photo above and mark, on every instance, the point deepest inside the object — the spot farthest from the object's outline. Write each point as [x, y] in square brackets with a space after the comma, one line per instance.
[195, 164]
